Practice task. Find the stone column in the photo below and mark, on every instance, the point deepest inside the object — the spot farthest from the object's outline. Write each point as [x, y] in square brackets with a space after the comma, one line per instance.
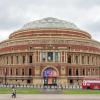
[66, 58]
[32, 57]
[85, 71]
[98, 71]
[73, 58]
[91, 74]
[14, 59]
[14, 71]
[53, 56]
[62, 56]
[79, 71]
[38, 55]
[59, 56]
[37, 70]
[90, 59]
[63, 70]
[9, 59]
[80, 57]
[26, 59]
[95, 60]
[20, 59]
[46, 56]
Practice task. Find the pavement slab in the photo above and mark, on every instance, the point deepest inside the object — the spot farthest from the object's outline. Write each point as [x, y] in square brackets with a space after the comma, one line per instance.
[50, 97]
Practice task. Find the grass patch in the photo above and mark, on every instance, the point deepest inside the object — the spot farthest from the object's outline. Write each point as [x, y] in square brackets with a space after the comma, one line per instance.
[39, 91]
[20, 91]
[81, 91]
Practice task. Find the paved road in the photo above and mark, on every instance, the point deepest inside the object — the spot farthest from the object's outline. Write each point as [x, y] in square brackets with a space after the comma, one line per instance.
[50, 97]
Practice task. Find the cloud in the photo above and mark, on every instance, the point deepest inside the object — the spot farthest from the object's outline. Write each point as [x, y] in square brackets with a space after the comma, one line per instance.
[15, 13]
[87, 4]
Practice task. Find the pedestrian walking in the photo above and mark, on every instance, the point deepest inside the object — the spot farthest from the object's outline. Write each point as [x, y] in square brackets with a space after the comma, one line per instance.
[13, 92]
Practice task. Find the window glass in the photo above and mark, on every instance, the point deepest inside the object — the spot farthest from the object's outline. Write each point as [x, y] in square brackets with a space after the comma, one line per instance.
[69, 58]
[56, 56]
[50, 56]
[22, 71]
[70, 72]
[83, 72]
[76, 72]
[30, 59]
[82, 59]
[10, 71]
[43, 56]
[16, 71]
[30, 72]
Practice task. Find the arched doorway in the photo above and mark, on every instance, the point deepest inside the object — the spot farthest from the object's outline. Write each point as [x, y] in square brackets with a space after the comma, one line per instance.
[50, 76]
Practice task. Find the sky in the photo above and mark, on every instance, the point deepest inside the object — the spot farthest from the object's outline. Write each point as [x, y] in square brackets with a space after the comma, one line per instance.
[85, 14]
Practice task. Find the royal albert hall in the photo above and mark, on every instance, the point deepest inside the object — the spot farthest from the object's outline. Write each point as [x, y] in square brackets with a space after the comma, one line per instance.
[49, 51]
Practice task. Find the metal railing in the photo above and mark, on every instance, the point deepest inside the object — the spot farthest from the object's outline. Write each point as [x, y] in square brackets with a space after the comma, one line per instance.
[41, 86]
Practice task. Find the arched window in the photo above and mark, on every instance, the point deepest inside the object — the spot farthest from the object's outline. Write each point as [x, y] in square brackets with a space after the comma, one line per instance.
[22, 71]
[76, 59]
[77, 72]
[69, 58]
[82, 59]
[30, 59]
[11, 71]
[70, 72]
[16, 71]
[23, 59]
[11, 59]
[71, 81]
[30, 48]
[30, 71]
[83, 72]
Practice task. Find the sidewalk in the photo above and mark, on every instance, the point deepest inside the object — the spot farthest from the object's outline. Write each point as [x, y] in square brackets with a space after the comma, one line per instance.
[49, 97]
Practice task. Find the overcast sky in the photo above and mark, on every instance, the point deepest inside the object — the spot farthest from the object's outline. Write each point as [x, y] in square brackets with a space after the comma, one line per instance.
[15, 13]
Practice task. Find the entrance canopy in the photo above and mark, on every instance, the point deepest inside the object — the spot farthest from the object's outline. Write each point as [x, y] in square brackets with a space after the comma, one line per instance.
[50, 72]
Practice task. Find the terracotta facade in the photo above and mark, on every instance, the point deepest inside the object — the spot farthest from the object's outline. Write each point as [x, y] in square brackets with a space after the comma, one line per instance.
[68, 54]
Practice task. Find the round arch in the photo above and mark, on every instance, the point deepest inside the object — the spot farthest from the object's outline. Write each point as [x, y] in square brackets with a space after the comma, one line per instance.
[51, 68]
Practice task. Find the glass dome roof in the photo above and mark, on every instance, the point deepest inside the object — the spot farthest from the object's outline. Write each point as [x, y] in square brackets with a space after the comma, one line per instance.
[49, 22]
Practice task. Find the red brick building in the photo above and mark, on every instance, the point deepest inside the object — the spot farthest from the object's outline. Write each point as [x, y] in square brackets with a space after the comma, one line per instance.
[49, 52]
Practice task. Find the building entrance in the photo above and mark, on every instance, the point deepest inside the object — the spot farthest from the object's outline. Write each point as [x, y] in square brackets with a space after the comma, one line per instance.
[50, 76]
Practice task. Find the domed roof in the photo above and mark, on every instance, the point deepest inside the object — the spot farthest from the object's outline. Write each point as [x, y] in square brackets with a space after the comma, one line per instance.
[49, 25]
[49, 22]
